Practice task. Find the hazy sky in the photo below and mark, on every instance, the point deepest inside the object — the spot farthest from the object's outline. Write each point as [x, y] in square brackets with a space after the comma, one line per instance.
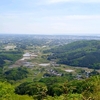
[50, 16]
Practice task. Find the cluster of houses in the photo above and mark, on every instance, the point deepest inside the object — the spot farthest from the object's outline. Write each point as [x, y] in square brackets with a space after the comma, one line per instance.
[52, 72]
[86, 74]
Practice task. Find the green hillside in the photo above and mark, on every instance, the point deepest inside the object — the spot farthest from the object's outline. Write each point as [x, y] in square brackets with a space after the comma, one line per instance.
[79, 53]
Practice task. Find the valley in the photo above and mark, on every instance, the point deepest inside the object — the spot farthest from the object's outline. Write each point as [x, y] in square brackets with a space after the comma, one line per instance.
[48, 63]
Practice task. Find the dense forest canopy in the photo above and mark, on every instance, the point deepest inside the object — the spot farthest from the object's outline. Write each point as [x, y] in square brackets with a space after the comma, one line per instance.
[79, 53]
[12, 56]
[73, 90]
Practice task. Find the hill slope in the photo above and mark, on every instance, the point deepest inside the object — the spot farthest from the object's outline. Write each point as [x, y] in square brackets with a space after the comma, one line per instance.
[79, 53]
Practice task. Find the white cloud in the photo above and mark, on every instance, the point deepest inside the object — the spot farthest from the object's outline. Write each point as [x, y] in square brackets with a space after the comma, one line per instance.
[73, 17]
[49, 25]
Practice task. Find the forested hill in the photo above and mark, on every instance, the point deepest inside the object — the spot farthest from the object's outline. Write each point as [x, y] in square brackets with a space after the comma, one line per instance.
[80, 53]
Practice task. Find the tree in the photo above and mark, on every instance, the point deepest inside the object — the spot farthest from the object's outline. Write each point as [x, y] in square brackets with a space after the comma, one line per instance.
[7, 93]
[37, 90]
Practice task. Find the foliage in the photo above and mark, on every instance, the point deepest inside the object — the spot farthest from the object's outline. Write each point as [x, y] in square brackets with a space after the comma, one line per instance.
[65, 90]
[37, 90]
[79, 53]
[6, 90]
[7, 93]
[53, 80]
[94, 72]
[12, 56]
[20, 97]
[16, 73]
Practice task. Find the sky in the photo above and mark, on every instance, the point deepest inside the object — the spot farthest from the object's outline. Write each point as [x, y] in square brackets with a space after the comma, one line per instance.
[70, 17]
